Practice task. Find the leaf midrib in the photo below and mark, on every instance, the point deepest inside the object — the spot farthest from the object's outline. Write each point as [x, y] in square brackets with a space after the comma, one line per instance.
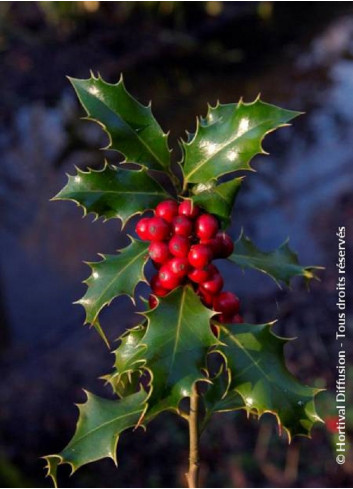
[255, 364]
[222, 147]
[258, 264]
[103, 425]
[220, 195]
[136, 257]
[132, 131]
[177, 335]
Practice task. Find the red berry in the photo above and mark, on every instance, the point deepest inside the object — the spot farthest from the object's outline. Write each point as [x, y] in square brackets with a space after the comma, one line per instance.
[214, 284]
[142, 228]
[237, 319]
[225, 245]
[167, 209]
[227, 303]
[179, 246]
[221, 245]
[332, 424]
[182, 226]
[223, 318]
[157, 287]
[206, 297]
[206, 226]
[199, 275]
[199, 256]
[159, 251]
[158, 229]
[179, 266]
[188, 209]
[167, 278]
[212, 243]
[152, 301]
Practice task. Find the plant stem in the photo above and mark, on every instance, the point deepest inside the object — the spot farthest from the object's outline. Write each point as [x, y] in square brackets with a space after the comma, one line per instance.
[175, 181]
[193, 475]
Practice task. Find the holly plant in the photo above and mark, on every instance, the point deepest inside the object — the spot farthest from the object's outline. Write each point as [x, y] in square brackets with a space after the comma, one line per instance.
[191, 353]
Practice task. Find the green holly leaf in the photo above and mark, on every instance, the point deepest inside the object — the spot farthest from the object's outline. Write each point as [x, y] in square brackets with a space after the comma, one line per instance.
[113, 192]
[177, 339]
[229, 137]
[53, 461]
[217, 199]
[126, 384]
[214, 398]
[113, 276]
[100, 423]
[131, 127]
[129, 359]
[255, 358]
[128, 354]
[218, 398]
[281, 264]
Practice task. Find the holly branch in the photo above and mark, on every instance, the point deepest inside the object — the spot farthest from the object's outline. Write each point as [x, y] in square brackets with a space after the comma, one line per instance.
[189, 316]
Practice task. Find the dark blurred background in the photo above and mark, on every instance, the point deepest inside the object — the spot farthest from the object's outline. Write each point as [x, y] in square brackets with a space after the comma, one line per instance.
[182, 55]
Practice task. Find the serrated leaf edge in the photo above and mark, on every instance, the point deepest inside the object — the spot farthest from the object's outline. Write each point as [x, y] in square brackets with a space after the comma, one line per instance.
[142, 278]
[104, 127]
[256, 412]
[307, 271]
[74, 468]
[199, 122]
[203, 378]
[96, 217]
[117, 374]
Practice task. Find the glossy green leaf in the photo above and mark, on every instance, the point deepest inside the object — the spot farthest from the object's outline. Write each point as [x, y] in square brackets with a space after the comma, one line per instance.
[113, 192]
[113, 276]
[281, 264]
[229, 137]
[129, 358]
[177, 339]
[131, 127]
[218, 398]
[128, 354]
[217, 199]
[255, 358]
[125, 384]
[100, 423]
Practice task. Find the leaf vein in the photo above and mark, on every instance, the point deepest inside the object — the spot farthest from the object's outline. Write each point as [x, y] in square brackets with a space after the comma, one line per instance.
[221, 148]
[136, 257]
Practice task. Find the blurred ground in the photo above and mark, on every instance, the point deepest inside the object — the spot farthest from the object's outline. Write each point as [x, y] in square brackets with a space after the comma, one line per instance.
[182, 55]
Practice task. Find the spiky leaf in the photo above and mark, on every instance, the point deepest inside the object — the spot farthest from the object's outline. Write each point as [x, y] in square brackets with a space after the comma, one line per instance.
[281, 264]
[255, 359]
[177, 339]
[217, 199]
[100, 423]
[127, 355]
[217, 398]
[113, 276]
[229, 137]
[129, 359]
[113, 192]
[124, 384]
[131, 127]
[214, 396]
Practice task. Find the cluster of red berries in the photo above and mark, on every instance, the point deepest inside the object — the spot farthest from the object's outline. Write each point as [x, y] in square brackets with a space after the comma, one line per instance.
[184, 241]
